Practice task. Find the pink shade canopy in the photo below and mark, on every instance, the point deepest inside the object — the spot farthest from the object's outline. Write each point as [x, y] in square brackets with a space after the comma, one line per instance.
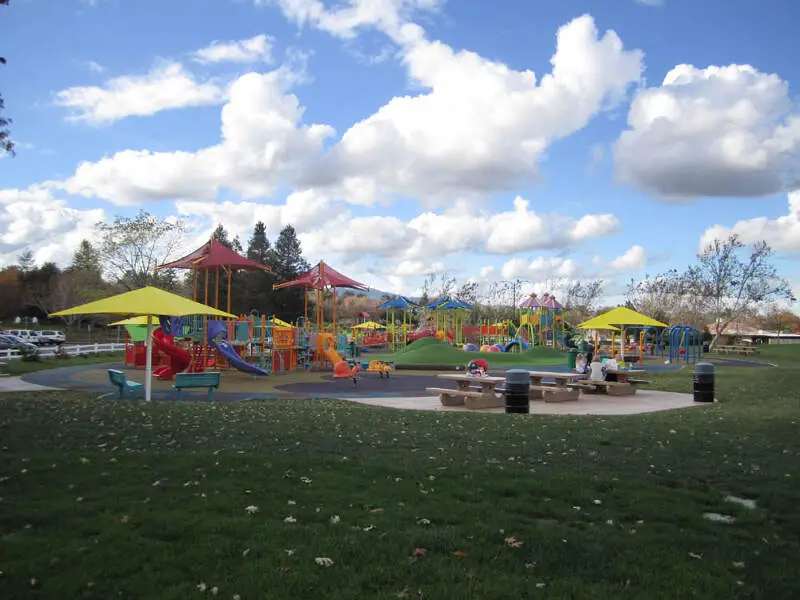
[211, 255]
[321, 276]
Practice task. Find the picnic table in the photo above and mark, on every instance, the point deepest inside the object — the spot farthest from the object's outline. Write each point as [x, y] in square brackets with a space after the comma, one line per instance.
[471, 392]
[562, 390]
[624, 375]
[617, 383]
[743, 350]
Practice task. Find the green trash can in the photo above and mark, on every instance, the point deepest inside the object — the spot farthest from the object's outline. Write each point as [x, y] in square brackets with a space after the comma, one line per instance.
[572, 356]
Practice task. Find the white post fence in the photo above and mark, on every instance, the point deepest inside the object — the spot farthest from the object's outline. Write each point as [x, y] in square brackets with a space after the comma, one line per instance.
[70, 349]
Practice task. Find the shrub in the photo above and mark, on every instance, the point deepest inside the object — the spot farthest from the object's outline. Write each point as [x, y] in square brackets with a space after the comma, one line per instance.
[30, 354]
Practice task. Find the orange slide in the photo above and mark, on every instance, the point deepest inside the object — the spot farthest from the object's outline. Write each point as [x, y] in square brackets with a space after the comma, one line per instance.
[341, 370]
[179, 358]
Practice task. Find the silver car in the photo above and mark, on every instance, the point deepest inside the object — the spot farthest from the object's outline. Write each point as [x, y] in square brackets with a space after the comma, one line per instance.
[12, 342]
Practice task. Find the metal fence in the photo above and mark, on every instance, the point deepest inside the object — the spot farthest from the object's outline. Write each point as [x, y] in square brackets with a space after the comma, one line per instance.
[69, 349]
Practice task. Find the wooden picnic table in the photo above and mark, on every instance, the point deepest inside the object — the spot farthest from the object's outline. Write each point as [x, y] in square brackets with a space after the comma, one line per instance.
[472, 392]
[743, 350]
[624, 375]
[560, 391]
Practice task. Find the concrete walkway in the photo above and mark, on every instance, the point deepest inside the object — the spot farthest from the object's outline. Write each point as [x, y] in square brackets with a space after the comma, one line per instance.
[644, 401]
[15, 384]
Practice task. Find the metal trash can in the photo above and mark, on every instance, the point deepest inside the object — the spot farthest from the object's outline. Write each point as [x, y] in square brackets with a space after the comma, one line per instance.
[703, 382]
[517, 392]
[572, 357]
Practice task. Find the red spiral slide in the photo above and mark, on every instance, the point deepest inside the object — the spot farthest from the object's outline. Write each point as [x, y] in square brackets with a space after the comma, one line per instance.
[179, 358]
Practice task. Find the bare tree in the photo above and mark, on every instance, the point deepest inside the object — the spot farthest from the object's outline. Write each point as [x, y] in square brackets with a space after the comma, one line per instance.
[579, 298]
[658, 296]
[447, 284]
[131, 249]
[733, 286]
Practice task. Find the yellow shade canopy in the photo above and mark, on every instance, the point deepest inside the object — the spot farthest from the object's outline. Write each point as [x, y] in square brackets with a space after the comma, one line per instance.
[597, 323]
[621, 316]
[143, 302]
[369, 325]
[276, 322]
[141, 320]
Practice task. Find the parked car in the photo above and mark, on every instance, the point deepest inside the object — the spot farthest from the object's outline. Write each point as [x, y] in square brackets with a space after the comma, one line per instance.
[52, 336]
[25, 335]
[12, 342]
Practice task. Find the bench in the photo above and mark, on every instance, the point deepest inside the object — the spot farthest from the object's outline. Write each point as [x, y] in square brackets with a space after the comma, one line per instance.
[554, 393]
[121, 382]
[612, 388]
[472, 400]
[184, 381]
[638, 381]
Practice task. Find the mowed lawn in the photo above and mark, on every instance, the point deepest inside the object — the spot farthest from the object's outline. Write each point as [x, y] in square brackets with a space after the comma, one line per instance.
[325, 499]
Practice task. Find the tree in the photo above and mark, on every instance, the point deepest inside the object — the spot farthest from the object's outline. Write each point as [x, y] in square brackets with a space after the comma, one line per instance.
[132, 247]
[83, 281]
[258, 290]
[779, 319]
[10, 293]
[658, 296]
[25, 262]
[288, 264]
[732, 286]
[6, 145]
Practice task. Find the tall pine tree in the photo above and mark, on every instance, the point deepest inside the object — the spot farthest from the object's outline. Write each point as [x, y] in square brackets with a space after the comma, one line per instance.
[289, 264]
[258, 286]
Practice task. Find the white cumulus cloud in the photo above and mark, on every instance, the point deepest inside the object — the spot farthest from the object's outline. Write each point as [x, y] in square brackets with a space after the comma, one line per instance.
[479, 125]
[167, 86]
[782, 233]
[251, 50]
[720, 131]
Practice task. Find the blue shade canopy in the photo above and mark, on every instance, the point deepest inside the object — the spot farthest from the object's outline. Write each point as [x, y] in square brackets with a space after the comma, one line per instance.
[399, 302]
[448, 303]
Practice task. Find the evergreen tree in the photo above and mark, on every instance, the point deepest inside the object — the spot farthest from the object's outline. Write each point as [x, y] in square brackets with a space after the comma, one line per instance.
[289, 264]
[25, 262]
[258, 288]
[86, 259]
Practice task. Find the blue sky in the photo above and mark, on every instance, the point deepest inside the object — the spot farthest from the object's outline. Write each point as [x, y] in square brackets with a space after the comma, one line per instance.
[397, 135]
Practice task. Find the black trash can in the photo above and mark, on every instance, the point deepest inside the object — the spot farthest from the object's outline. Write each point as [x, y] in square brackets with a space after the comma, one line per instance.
[517, 392]
[703, 382]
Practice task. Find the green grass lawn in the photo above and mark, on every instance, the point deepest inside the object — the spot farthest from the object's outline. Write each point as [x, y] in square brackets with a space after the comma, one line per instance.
[20, 367]
[103, 499]
[430, 351]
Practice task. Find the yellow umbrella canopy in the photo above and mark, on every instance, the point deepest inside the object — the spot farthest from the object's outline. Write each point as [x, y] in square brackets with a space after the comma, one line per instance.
[369, 325]
[276, 322]
[623, 316]
[146, 301]
[597, 323]
[142, 320]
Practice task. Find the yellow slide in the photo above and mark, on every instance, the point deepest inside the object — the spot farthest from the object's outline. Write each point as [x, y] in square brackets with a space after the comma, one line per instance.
[327, 345]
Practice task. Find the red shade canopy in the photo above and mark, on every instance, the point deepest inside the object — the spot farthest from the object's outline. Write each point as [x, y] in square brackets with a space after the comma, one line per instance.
[211, 255]
[322, 276]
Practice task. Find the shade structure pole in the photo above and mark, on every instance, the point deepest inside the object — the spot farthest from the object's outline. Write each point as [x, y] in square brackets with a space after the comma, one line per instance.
[230, 270]
[216, 288]
[334, 312]
[148, 361]
[194, 283]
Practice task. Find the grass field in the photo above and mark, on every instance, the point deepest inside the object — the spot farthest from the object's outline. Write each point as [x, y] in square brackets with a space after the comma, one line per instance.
[20, 367]
[324, 499]
[430, 351]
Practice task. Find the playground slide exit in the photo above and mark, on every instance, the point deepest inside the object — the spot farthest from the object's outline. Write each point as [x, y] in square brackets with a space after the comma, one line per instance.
[329, 348]
[230, 354]
[179, 358]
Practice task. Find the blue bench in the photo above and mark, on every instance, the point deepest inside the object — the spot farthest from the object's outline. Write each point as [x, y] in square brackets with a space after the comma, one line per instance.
[209, 380]
[119, 380]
